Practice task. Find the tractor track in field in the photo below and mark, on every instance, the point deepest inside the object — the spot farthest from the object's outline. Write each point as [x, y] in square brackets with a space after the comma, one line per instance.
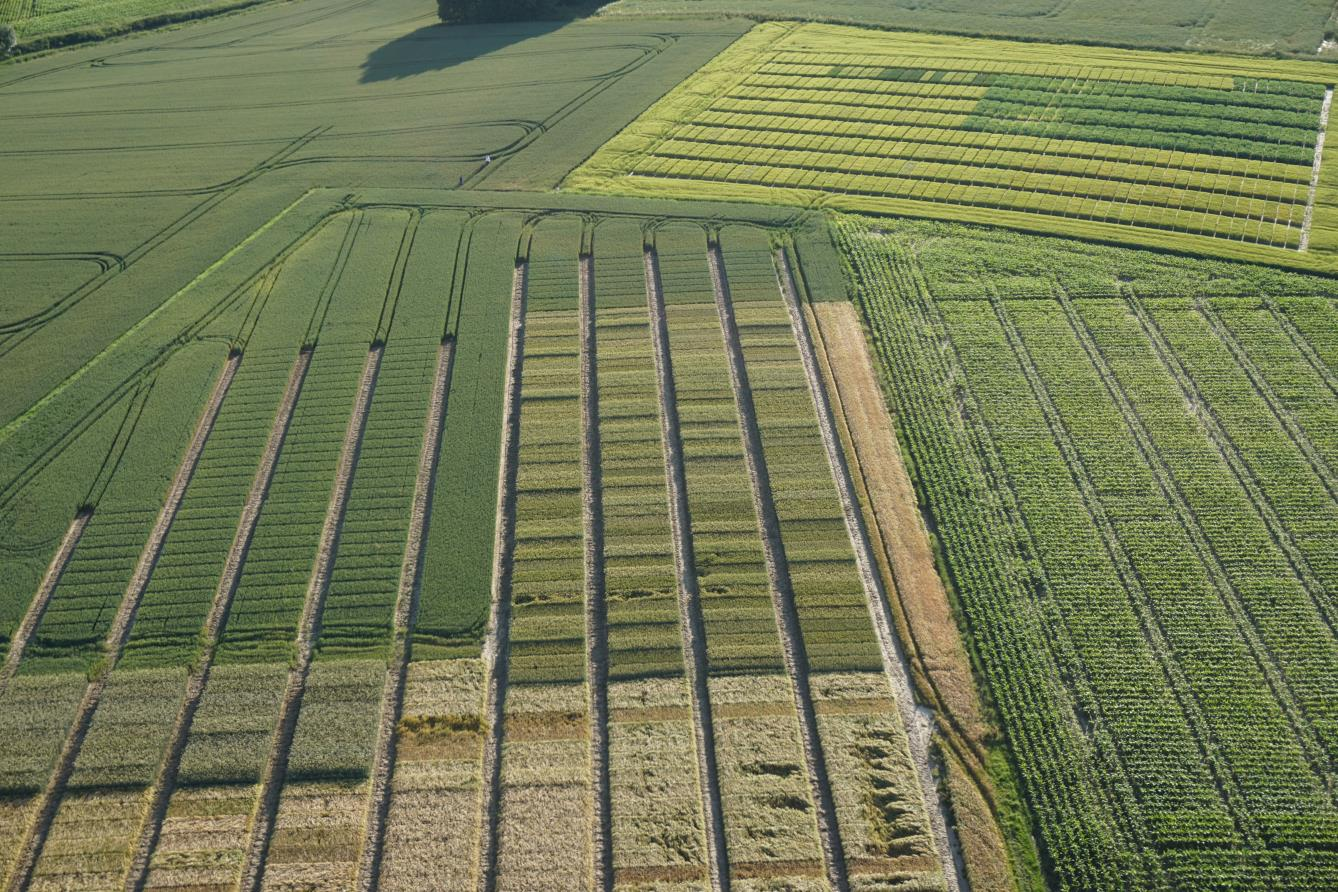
[691, 622]
[596, 607]
[49, 800]
[37, 608]
[782, 593]
[497, 648]
[165, 780]
[919, 721]
[309, 629]
[406, 609]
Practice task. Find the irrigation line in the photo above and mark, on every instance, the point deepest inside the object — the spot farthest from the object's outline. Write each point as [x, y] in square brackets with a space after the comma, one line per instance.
[497, 648]
[309, 629]
[165, 780]
[114, 644]
[919, 721]
[691, 623]
[406, 610]
[1315, 168]
[37, 609]
[596, 608]
[778, 571]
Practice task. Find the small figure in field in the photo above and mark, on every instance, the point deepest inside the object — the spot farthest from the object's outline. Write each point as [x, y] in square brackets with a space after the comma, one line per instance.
[461, 184]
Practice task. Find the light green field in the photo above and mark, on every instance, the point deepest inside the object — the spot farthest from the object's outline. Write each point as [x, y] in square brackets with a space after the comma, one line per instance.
[1197, 153]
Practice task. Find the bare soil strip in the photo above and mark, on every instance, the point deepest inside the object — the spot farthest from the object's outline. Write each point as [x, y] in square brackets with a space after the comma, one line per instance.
[21, 876]
[919, 722]
[782, 594]
[691, 622]
[165, 780]
[496, 650]
[1314, 169]
[596, 610]
[893, 523]
[262, 826]
[37, 609]
[406, 608]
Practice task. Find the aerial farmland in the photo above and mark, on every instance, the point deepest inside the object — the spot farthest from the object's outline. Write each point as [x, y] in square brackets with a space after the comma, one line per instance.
[668, 446]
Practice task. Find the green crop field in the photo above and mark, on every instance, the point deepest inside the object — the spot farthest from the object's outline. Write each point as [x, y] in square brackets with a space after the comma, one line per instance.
[657, 451]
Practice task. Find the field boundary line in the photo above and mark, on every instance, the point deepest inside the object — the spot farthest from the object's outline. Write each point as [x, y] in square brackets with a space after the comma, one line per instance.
[1315, 169]
[309, 629]
[919, 720]
[165, 780]
[50, 798]
[778, 571]
[406, 609]
[596, 608]
[37, 608]
[497, 647]
[691, 623]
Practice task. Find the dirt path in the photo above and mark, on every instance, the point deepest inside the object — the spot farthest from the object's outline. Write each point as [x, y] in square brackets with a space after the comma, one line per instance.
[49, 802]
[1315, 169]
[596, 610]
[782, 594]
[406, 608]
[37, 609]
[262, 826]
[919, 722]
[165, 781]
[496, 650]
[691, 622]
[898, 530]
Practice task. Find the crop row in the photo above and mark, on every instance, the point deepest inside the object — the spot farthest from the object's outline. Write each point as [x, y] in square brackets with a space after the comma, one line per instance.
[365, 576]
[1275, 231]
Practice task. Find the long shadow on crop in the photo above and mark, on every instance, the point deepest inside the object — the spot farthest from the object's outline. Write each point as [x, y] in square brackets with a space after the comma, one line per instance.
[439, 46]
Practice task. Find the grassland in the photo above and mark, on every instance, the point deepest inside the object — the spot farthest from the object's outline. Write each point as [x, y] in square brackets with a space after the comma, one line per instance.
[1190, 152]
[43, 25]
[1233, 26]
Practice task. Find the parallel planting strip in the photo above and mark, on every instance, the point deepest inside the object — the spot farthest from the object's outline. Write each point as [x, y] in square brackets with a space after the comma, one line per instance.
[37, 608]
[309, 629]
[165, 781]
[114, 643]
[919, 723]
[787, 619]
[406, 606]
[689, 595]
[596, 611]
[1315, 169]
[497, 648]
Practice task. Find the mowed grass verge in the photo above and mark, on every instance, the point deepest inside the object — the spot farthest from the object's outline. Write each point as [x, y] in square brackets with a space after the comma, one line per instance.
[1197, 153]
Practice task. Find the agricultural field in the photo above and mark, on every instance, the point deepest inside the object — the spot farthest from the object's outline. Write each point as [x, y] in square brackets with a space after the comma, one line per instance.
[663, 453]
[1155, 149]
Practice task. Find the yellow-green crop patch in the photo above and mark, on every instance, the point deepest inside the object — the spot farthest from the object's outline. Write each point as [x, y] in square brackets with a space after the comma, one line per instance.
[1204, 153]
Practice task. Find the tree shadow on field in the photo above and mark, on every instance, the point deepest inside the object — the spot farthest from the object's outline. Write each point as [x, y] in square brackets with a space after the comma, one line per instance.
[439, 46]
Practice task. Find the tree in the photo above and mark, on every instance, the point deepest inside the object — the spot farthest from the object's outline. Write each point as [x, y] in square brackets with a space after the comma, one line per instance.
[481, 11]
[9, 39]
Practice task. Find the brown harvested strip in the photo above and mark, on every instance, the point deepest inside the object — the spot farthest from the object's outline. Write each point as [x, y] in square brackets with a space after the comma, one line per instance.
[918, 722]
[778, 571]
[674, 873]
[49, 801]
[498, 647]
[406, 608]
[43, 597]
[641, 714]
[596, 610]
[895, 524]
[262, 825]
[691, 623]
[165, 780]
[752, 870]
